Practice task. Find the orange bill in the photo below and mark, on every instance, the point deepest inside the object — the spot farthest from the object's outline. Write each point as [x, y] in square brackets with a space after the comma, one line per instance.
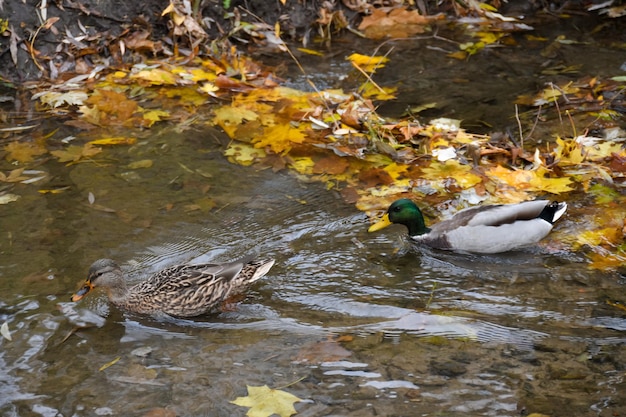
[82, 292]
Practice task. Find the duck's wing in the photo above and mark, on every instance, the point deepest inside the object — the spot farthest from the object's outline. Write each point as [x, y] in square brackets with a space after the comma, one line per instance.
[495, 215]
[191, 290]
[491, 229]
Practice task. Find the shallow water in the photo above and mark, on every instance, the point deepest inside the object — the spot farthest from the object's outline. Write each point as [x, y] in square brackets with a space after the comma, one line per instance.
[353, 323]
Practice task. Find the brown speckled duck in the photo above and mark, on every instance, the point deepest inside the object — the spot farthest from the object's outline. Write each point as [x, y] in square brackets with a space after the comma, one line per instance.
[180, 291]
[482, 229]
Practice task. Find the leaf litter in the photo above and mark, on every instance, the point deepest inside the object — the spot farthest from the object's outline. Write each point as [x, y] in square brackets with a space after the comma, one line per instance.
[337, 137]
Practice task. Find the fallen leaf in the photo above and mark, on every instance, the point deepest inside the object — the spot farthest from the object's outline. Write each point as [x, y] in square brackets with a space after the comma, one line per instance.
[144, 163]
[14, 176]
[332, 164]
[106, 365]
[368, 63]
[55, 99]
[23, 151]
[8, 198]
[74, 153]
[4, 330]
[113, 141]
[264, 401]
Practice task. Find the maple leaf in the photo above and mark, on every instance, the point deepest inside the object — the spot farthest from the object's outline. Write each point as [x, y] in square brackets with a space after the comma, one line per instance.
[14, 176]
[75, 153]
[23, 151]
[368, 63]
[243, 154]
[55, 99]
[156, 76]
[265, 401]
[279, 138]
[452, 169]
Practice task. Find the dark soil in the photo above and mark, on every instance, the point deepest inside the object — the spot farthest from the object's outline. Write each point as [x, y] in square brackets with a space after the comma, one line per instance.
[74, 37]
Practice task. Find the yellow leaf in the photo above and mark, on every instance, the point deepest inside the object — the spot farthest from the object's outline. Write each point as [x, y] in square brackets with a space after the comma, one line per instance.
[153, 116]
[233, 115]
[369, 90]
[368, 63]
[303, 165]
[568, 152]
[264, 401]
[452, 169]
[118, 140]
[209, 88]
[155, 76]
[243, 154]
[608, 235]
[279, 138]
[530, 180]
[23, 151]
[106, 365]
[551, 185]
[310, 51]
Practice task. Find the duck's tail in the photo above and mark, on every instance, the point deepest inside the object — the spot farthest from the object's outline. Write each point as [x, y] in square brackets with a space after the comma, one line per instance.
[257, 269]
[553, 211]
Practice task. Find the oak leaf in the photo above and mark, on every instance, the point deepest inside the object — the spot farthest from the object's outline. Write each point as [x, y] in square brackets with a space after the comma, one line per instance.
[265, 401]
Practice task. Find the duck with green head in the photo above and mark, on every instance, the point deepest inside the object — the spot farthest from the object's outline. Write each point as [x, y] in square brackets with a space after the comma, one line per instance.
[481, 229]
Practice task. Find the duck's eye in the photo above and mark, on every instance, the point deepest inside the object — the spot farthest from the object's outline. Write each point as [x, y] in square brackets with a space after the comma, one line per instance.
[397, 208]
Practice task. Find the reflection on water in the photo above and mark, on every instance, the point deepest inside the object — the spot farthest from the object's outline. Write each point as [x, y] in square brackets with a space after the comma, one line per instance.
[356, 324]
[365, 325]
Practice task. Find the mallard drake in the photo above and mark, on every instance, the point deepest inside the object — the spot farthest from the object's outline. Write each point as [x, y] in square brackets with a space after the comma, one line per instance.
[481, 229]
[180, 291]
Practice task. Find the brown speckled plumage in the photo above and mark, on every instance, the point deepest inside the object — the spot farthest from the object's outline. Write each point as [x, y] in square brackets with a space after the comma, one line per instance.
[181, 291]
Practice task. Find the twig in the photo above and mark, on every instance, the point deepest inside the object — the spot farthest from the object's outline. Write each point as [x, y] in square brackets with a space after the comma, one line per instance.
[291, 383]
[519, 125]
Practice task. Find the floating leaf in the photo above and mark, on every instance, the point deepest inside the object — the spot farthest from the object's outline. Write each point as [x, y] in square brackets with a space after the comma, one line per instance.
[368, 63]
[113, 141]
[452, 169]
[280, 138]
[55, 99]
[243, 154]
[264, 401]
[4, 330]
[8, 198]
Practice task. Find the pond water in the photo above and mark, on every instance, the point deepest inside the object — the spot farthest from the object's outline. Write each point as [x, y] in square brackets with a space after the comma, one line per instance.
[355, 324]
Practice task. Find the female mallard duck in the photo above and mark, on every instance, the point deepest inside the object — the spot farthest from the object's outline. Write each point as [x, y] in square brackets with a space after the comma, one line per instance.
[181, 291]
[482, 229]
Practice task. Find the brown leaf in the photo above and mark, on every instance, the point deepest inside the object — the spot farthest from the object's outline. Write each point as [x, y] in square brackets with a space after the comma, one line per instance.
[160, 412]
[324, 351]
[331, 165]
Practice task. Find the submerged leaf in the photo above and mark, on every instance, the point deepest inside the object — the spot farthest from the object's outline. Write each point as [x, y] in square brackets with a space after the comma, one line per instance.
[106, 365]
[75, 153]
[23, 151]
